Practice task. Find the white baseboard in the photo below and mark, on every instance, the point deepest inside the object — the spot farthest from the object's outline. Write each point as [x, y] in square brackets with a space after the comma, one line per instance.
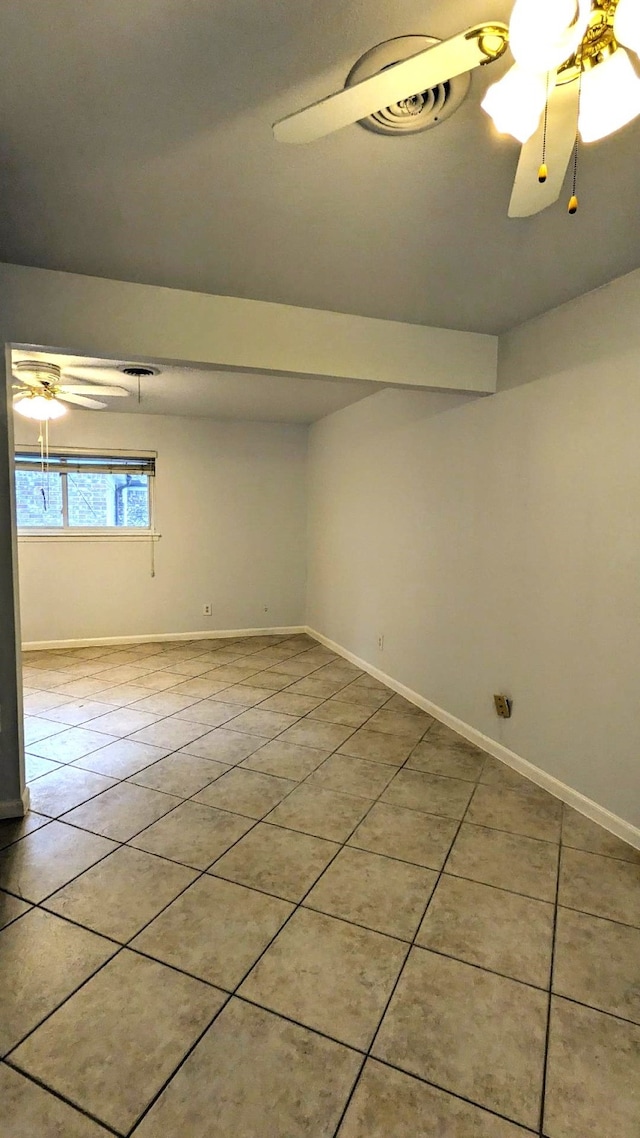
[158, 637]
[611, 822]
[16, 807]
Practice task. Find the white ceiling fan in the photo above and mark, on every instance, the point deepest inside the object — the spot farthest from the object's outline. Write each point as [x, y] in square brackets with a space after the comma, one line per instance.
[572, 78]
[44, 388]
[421, 72]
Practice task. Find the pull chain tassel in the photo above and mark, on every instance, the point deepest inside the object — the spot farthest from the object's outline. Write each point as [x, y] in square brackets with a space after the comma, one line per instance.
[573, 200]
[543, 172]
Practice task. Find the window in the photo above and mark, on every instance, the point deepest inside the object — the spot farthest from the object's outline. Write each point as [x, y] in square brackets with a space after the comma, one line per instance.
[73, 492]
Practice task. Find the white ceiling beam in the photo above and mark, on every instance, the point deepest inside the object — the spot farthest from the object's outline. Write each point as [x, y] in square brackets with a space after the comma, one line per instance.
[119, 320]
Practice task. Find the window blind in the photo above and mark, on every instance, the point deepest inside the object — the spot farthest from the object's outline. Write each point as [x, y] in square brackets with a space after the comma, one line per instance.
[87, 463]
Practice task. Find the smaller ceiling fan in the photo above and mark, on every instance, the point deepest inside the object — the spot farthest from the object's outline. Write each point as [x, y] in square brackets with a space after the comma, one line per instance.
[44, 389]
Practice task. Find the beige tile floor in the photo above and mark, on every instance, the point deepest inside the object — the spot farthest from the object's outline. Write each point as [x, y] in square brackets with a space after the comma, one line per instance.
[261, 896]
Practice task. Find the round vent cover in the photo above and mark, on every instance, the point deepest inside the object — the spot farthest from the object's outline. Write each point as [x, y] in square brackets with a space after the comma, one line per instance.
[423, 109]
[139, 371]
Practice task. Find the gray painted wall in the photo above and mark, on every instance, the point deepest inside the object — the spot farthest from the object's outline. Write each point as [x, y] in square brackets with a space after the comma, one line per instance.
[495, 544]
[230, 506]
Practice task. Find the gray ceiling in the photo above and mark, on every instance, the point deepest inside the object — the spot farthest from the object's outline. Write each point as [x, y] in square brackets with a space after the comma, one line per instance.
[136, 144]
[202, 393]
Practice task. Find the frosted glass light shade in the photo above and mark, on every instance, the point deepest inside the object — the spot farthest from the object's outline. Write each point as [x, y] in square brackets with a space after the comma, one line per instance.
[516, 102]
[610, 97]
[545, 33]
[40, 408]
[626, 24]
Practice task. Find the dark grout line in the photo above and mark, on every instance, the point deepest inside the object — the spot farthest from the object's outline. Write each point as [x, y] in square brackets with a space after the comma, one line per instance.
[189, 1052]
[42, 907]
[609, 857]
[593, 1008]
[545, 1062]
[61, 1098]
[512, 833]
[500, 888]
[14, 1047]
[39, 904]
[454, 1094]
[479, 967]
[598, 916]
[356, 1084]
[130, 947]
[298, 1023]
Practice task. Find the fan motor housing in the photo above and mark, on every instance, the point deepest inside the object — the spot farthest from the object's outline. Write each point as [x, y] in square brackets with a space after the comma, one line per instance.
[422, 110]
[598, 43]
[46, 373]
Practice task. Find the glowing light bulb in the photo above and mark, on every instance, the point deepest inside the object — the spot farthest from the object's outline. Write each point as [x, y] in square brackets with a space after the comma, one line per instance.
[40, 407]
[610, 97]
[626, 24]
[545, 33]
[516, 102]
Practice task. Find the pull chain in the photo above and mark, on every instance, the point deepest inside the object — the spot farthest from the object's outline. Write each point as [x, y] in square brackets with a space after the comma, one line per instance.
[543, 172]
[42, 490]
[43, 439]
[573, 200]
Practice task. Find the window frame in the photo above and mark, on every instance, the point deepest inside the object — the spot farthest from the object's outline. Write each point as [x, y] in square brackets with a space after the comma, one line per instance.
[65, 532]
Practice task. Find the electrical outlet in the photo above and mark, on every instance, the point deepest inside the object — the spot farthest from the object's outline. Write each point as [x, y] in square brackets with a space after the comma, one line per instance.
[206, 610]
[381, 642]
[503, 706]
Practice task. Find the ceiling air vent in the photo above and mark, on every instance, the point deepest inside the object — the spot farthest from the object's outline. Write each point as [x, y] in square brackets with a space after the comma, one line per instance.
[419, 112]
[138, 371]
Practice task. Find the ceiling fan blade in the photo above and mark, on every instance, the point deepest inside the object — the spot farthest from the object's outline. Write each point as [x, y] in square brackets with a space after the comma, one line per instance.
[530, 196]
[81, 400]
[102, 373]
[419, 73]
[30, 380]
[21, 395]
[90, 389]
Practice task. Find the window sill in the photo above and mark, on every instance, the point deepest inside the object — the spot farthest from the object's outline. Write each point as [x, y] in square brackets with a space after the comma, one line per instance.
[69, 535]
